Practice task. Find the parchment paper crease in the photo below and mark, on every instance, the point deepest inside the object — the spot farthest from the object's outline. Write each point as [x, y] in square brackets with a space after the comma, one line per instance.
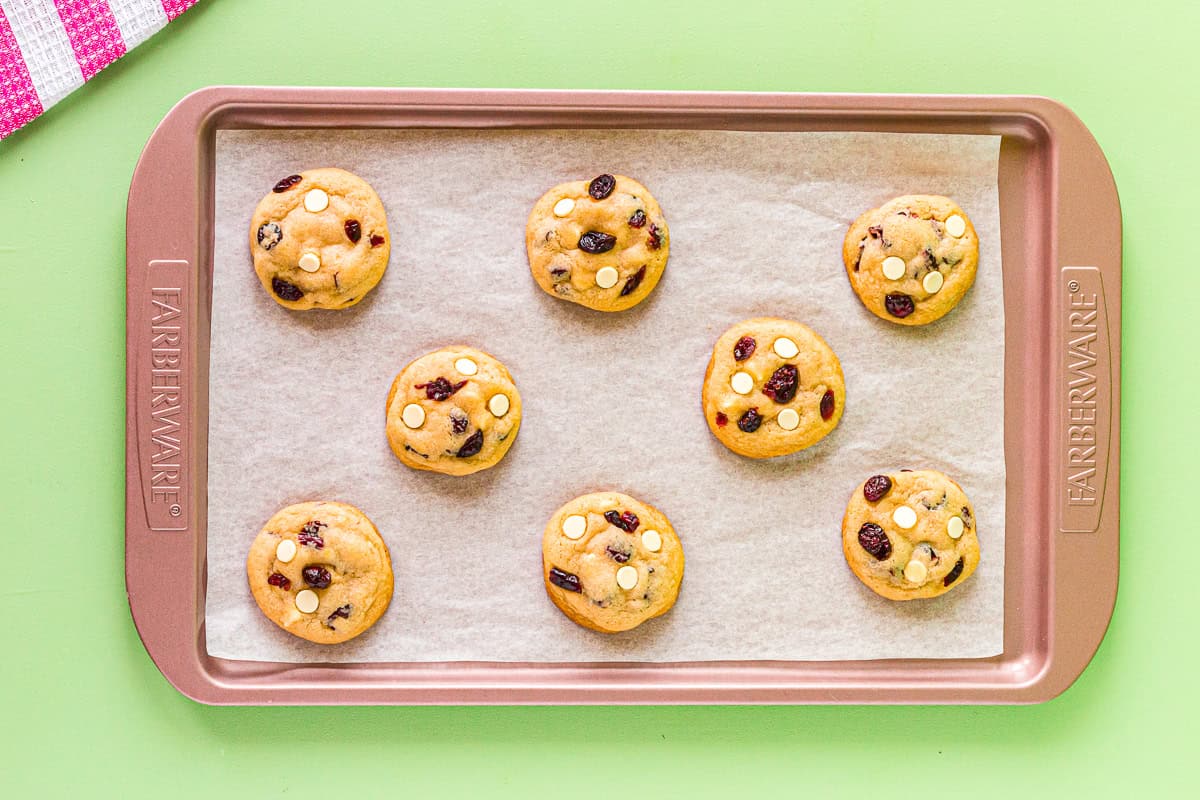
[611, 400]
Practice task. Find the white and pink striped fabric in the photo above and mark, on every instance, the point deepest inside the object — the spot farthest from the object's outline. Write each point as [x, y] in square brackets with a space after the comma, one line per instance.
[49, 48]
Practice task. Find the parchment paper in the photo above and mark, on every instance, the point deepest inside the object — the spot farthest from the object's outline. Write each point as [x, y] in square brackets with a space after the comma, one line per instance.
[612, 401]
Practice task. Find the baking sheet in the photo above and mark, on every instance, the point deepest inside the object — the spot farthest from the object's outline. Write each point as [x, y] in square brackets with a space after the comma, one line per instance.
[610, 401]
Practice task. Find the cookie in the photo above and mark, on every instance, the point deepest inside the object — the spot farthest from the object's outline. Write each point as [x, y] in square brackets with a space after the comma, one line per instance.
[320, 571]
[601, 243]
[772, 387]
[912, 259]
[611, 562]
[320, 240]
[908, 535]
[454, 411]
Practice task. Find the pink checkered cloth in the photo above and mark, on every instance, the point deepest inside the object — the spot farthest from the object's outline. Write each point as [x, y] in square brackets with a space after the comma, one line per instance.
[49, 48]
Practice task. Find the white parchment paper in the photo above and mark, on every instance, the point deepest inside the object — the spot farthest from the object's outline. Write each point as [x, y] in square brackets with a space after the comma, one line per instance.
[611, 400]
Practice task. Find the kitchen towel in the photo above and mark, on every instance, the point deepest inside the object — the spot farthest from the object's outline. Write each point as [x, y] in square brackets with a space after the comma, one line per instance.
[49, 48]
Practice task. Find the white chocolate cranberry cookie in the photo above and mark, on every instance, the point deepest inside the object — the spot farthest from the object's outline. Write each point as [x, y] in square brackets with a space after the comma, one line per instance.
[602, 244]
[773, 386]
[454, 411]
[611, 562]
[320, 240]
[911, 260]
[320, 571]
[910, 535]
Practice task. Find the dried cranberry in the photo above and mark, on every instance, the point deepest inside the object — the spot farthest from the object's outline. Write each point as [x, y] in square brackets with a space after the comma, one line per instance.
[953, 574]
[638, 219]
[596, 242]
[310, 535]
[626, 520]
[876, 231]
[619, 556]
[601, 186]
[634, 281]
[827, 404]
[858, 261]
[744, 348]
[342, 612]
[317, 577]
[459, 421]
[276, 579]
[966, 517]
[286, 291]
[313, 540]
[722, 420]
[876, 487]
[471, 446]
[376, 240]
[353, 230]
[565, 580]
[287, 183]
[750, 421]
[439, 388]
[654, 240]
[874, 541]
[899, 305]
[781, 386]
[269, 235]
[930, 259]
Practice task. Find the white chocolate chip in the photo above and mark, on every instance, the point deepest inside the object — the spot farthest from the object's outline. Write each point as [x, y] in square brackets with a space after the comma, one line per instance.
[933, 281]
[285, 551]
[652, 541]
[316, 200]
[413, 415]
[310, 262]
[742, 383]
[956, 226]
[607, 277]
[574, 526]
[466, 366]
[785, 348]
[893, 268]
[916, 571]
[307, 601]
[905, 517]
[564, 207]
[498, 405]
[788, 419]
[627, 577]
[954, 527]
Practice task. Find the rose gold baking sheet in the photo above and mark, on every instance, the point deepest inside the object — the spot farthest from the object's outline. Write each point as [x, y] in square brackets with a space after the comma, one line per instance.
[1061, 241]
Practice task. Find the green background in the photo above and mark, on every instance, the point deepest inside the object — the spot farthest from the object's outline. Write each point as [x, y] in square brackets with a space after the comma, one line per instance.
[85, 709]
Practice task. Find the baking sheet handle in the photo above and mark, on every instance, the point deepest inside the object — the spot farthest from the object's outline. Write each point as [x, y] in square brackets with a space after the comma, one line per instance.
[1085, 278]
[166, 393]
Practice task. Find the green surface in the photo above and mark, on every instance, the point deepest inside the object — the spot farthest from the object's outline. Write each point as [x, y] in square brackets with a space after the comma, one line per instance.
[85, 709]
